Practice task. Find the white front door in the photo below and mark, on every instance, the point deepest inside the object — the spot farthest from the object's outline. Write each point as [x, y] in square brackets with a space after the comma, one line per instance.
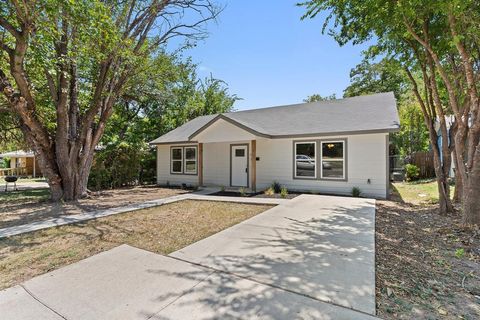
[239, 166]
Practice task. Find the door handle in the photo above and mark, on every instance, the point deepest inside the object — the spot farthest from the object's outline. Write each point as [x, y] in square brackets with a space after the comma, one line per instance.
[246, 170]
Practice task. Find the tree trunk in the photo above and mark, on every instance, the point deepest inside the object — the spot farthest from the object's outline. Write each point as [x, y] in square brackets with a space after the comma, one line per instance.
[471, 193]
[444, 201]
[458, 192]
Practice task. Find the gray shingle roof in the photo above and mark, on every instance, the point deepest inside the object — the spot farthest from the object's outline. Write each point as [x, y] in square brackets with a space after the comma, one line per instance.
[362, 114]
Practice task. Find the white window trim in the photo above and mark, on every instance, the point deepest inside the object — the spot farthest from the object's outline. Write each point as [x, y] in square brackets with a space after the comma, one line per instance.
[295, 160]
[178, 160]
[343, 159]
[185, 160]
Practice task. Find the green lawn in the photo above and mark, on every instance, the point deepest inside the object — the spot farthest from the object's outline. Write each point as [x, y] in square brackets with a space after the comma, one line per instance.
[417, 192]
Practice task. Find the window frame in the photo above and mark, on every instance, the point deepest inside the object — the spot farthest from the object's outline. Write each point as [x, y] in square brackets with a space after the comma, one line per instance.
[344, 159]
[295, 143]
[177, 160]
[183, 160]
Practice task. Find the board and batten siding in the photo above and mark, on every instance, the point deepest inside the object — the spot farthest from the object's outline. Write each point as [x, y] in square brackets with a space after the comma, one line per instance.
[163, 168]
[366, 159]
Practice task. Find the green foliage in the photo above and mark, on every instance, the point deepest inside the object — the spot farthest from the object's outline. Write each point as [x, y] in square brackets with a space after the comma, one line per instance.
[356, 192]
[413, 134]
[460, 253]
[277, 187]
[166, 95]
[283, 192]
[120, 165]
[317, 97]
[411, 172]
[5, 163]
[383, 76]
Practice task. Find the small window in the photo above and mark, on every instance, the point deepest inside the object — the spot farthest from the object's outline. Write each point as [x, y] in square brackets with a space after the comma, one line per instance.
[190, 160]
[333, 160]
[239, 152]
[305, 164]
[176, 160]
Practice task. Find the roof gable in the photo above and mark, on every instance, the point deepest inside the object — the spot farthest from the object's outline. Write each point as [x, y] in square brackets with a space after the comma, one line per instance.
[223, 129]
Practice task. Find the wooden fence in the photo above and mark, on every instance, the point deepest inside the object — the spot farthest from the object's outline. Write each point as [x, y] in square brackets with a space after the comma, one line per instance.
[424, 161]
[20, 171]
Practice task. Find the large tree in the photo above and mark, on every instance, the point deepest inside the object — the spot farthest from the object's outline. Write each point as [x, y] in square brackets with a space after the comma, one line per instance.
[65, 64]
[440, 41]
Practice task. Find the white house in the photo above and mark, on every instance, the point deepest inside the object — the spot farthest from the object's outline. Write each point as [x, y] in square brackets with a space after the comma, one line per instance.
[326, 147]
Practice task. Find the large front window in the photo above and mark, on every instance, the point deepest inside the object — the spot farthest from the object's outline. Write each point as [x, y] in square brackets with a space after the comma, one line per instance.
[305, 164]
[183, 160]
[333, 159]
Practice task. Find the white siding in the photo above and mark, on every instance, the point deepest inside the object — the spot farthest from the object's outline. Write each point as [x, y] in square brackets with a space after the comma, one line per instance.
[222, 131]
[163, 169]
[366, 159]
[216, 164]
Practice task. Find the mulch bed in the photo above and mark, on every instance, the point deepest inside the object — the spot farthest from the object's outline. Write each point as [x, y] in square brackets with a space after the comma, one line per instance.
[254, 195]
[427, 265]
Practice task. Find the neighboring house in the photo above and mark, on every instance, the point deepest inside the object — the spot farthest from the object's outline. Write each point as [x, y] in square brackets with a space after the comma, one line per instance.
[22, 163]
[327, 147]
[449, 121]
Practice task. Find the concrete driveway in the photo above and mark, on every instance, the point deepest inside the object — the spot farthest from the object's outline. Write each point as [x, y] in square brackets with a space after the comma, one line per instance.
[310, 258]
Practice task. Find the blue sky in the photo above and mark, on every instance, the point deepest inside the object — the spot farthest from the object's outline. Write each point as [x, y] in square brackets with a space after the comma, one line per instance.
[269, 57]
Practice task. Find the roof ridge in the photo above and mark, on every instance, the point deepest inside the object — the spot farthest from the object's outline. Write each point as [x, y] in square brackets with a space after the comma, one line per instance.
[310, 103]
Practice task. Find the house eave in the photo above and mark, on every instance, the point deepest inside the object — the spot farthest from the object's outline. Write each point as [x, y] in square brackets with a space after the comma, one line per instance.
[295, 136]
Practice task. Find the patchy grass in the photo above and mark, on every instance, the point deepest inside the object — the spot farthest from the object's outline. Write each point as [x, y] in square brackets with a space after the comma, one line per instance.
[427, 265]
[162, 229]
[417, 192]
[24, 196]
[23, 207]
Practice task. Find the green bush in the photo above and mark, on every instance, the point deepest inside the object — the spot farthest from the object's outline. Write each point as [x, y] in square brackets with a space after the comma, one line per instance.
[412, 172]
[283, 192]
[356, 192]
[5, 163]
[277, 187]
[121, 165]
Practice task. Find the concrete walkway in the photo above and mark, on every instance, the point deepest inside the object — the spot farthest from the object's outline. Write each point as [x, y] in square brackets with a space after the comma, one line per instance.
[75, 218]
[23, 185]
[308, 258]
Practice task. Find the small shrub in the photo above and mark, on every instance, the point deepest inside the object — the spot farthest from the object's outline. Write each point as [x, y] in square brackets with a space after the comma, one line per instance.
[460, 253]
[242, 192]
[277, 188]
[283, 192]
[269, 192]
[222, 188]
[356, 192]
[412, 172]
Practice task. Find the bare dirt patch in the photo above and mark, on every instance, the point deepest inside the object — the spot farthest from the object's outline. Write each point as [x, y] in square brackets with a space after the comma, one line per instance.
[427, 265]
[33, 205]
[162, 229]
